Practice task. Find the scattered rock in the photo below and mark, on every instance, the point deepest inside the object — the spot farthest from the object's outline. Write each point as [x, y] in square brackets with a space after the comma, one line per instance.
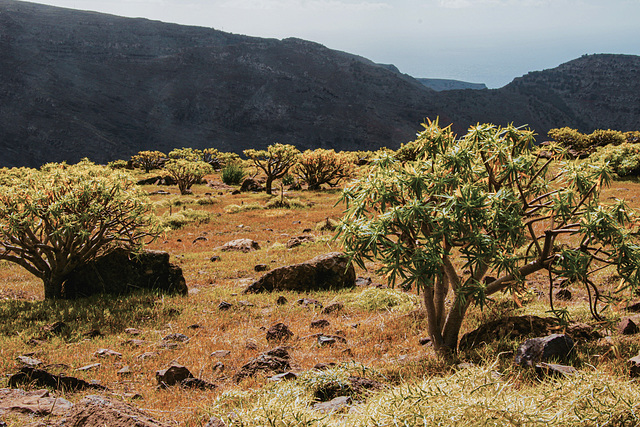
[236, 192]
[29, 361]
[299, 240]
[215, 258]
[273, 361]
[199, 239]
[308, 301]
[56, 328]
[41, 378]
[37, 402]
[124, 371]
[334, 307]
[324, 340]
[535, 350]
[220, 354]
[563, 295]
[147, 355]
[251, 184]
[323, 366]
[176, 338]
[100, 411]
[634, 366]
[121, 273]
[425, 341]
[172, 375]
[549, 369]
[363, 281]
[218, 367]
[260, 267]
[224, 305]
[215, 422]
[240, 245]
[284, 376]
[246, 304]
[197, 383]
[194, 326]
[337, 404]
[134, 343]
[320, 323]
[513, 327]
[325, 272]
[105, 352]
[628, 326]
[278, 333]
[251, 344]
[281, 300]
[89, 367]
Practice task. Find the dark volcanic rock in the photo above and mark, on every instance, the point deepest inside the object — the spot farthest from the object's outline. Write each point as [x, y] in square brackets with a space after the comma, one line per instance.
[273, 361]
[240, 245]
[324, 272]
[514, 327]
[42, 378]
[278, 333]
[534, 350]
[119, 273]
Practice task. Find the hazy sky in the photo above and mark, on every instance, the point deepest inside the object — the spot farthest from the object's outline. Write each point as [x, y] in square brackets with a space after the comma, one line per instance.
[481, 41]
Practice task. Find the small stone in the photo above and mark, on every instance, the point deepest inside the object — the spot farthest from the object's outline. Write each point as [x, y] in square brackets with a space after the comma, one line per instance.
[634, 368]
[29, 361]
[215, 422]
[284, 376]
[89, 367]
[124, 371]
[55, 328]
[172, 375]
[278, 333]
[425, 341]
[245, 304]
[308, 301]
[281, 300]
[335, 405]
[147, 355]
[218, 367]
[197, 383]
[168, 345]
[363, 281]
[628, 326]
[224, 306]
[324, 340]
[334, 307]
[251, 344]
[320, 323]
[200, 239]
[261, 267]
[215, 258]
[555, 369]
[220, 354]
[132, 331]
[176, 338]
[105, 352]
[324, 366]
[194, 326]
[563, 295]
[134, 343]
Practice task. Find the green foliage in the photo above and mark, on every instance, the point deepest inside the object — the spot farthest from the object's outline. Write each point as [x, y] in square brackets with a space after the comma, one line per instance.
[243, 207]
[117, 164]
[569, 138]
[148, 160]
[600, 138]
[624, 159]
[58, 218]
[190, 154]
[632, 137]
[481, 199]
[374, 299]
[184, 217]
[187, 172]
[322, 166]
[233, 174]
[285, 203]
[275, 161]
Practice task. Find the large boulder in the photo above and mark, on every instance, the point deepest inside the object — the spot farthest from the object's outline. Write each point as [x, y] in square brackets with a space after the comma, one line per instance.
[121, 272]
[330, 271]
[544, 349]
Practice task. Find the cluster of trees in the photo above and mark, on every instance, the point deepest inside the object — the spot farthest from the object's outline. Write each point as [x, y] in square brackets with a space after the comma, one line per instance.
[573, 139]
[188, 166]
[458, 218]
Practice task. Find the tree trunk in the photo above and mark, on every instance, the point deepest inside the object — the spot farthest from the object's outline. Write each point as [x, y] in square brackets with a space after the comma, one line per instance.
[269, 184]
[53, 288]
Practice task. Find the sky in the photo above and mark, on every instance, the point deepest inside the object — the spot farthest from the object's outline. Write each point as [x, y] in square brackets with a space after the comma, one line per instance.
[479, 41]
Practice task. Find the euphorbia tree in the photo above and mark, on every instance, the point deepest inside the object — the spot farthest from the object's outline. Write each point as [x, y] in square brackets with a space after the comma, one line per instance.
[187, 172]
[60, 217]
[474, 216]
[322, 166]
[148, 160]
[275, 161]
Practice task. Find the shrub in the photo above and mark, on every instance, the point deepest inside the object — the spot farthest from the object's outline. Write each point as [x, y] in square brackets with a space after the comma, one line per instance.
[118, 164]
[600, 138]
[233, 174]
[623, 159]
[569, 138]
[632, 137]
[322, 166]
[187, 172]
[187, 216]
[191, 154]
[60, 217]
[148, 160]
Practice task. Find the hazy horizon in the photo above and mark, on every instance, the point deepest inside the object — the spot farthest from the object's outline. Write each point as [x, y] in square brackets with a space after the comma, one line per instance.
[478, 41]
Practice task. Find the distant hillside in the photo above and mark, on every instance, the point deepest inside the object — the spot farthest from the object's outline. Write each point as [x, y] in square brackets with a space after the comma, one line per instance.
[440, 85]
[76, 84]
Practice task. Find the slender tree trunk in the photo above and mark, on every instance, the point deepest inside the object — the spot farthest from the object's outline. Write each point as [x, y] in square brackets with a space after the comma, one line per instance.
[269, 184]
[53, 288]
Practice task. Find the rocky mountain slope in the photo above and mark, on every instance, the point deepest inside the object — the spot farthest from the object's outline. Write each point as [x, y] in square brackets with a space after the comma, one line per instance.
[447, 84]
[76, 84]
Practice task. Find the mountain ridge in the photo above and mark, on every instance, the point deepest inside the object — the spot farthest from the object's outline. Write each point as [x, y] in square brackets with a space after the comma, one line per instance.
[79, 84]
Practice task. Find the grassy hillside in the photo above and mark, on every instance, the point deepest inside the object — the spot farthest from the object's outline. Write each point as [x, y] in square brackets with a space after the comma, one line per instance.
[383, 328]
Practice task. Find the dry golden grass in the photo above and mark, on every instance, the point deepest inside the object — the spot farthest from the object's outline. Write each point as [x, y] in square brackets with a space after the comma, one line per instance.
[382, 339]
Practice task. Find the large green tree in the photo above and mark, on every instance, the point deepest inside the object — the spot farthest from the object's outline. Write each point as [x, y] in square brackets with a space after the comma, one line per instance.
[60, 217]
[476, 215]
[275, 161]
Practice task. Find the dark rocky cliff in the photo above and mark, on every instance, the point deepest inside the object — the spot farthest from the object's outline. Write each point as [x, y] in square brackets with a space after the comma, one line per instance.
[80, 84]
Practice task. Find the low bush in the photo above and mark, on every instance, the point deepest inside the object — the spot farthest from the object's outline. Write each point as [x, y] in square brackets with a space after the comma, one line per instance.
[233, 174]
[624, 159]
